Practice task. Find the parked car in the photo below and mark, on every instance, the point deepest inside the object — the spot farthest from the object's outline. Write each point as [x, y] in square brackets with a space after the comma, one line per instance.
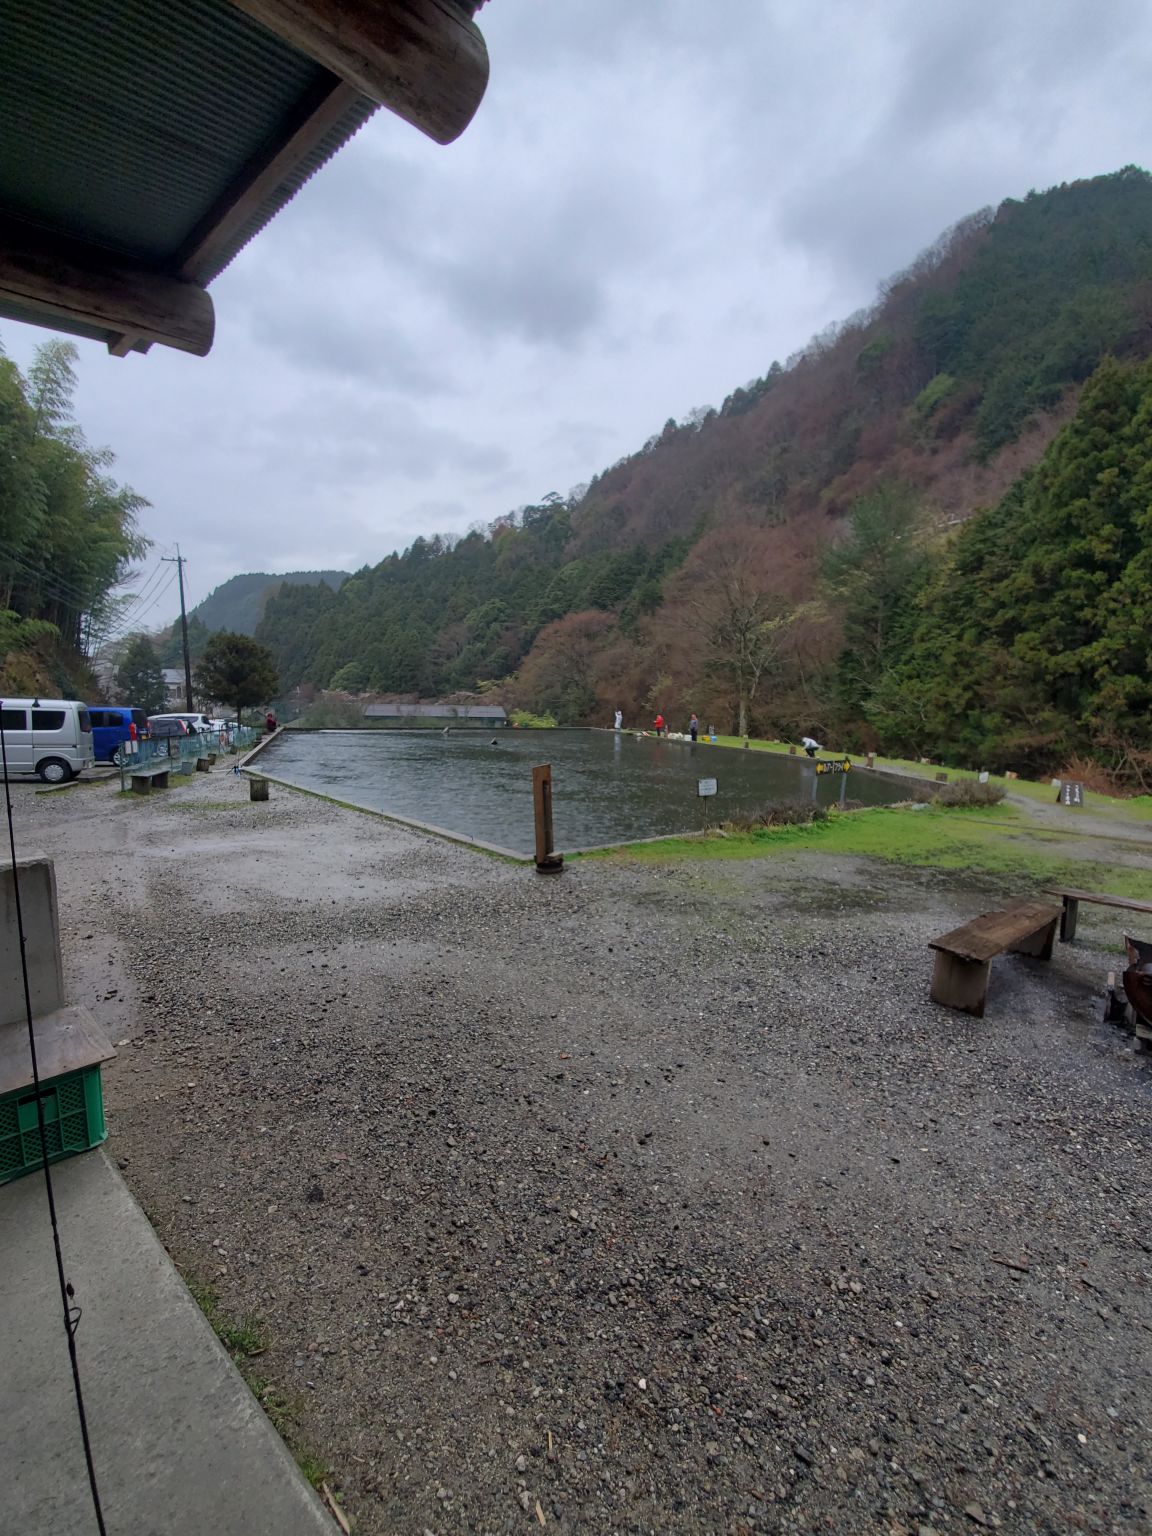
[111, 728]
[164, 730]
[51, 737]
[191, 718]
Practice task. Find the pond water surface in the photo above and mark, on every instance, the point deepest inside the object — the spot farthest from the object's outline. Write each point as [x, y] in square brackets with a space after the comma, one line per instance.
[607, 787]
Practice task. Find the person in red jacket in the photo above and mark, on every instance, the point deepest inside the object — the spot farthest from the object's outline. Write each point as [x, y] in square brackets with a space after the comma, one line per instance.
[658, 725]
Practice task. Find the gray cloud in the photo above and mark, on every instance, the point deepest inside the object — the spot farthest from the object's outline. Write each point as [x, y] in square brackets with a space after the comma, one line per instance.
[653, 203]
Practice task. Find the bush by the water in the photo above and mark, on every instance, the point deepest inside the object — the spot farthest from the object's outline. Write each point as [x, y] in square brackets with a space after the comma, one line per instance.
[530, 722]
[967, 792]
[778, 813]
[332, 715]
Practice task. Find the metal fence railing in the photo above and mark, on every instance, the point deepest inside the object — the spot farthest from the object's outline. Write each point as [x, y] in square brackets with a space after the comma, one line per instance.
[180, 754]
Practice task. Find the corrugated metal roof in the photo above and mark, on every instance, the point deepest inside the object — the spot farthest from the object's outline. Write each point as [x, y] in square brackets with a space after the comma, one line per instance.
[143, 113]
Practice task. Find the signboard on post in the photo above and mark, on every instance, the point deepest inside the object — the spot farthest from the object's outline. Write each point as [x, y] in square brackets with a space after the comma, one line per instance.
[827, 767]
[705, 788]
[1071, 793]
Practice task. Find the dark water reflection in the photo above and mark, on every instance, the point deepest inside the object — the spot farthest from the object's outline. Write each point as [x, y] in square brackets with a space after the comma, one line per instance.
[608, 788]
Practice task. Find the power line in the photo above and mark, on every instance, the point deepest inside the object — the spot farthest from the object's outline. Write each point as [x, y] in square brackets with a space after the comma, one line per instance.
[62, 586]
[134, 619]
[58, 585]
[178, 560]
[127, 615]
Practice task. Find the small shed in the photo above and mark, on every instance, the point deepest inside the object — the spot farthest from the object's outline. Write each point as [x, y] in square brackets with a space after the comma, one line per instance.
[173, 686]
[430, 716]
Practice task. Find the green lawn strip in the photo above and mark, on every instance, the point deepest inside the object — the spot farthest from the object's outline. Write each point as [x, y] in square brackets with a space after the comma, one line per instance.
[924, 838]
[1137, 808]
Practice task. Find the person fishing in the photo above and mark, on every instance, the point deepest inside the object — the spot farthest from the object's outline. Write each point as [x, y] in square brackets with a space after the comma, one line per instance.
[811, 745]
[693, 726]
[658, 725]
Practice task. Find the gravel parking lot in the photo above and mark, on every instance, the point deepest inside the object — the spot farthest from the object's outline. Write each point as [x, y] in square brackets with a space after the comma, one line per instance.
[644, 1199]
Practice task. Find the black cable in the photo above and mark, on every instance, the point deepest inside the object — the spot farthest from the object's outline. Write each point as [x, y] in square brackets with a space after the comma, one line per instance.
[71, 1312]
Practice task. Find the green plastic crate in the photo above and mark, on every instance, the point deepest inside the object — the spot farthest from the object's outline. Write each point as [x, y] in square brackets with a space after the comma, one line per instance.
[73, 1122]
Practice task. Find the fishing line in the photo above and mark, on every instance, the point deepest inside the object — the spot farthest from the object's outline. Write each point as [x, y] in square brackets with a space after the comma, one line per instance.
[71, 1312]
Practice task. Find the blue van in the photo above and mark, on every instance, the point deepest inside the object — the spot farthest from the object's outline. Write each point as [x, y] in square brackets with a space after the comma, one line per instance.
[110, 730]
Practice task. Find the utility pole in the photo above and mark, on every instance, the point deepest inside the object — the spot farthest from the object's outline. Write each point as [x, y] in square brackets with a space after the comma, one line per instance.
[178, 561]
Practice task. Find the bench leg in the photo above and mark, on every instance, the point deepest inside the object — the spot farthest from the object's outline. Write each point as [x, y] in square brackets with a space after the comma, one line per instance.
[961, 984]
[141, 785]
[1038, 944]
[1068, 916]
[161, 779]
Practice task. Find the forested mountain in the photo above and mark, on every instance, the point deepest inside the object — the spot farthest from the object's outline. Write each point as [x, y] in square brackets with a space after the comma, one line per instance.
[1030, 638]
[68, 532]
[763, 563]
[238, 604]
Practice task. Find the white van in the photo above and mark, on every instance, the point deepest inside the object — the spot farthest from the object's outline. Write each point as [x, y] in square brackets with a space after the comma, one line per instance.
[51, 737]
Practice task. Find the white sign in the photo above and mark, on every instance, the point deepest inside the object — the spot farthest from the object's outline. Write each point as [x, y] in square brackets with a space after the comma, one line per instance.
[705, 787]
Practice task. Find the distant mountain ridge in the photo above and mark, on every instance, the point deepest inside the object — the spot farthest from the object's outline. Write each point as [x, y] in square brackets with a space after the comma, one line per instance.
[237, 605]
[760, 563]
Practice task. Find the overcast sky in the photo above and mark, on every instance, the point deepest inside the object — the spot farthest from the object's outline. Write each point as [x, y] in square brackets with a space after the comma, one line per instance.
[655, 201]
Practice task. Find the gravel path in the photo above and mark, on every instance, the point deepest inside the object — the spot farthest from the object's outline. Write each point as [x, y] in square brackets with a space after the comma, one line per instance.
[645, 1199]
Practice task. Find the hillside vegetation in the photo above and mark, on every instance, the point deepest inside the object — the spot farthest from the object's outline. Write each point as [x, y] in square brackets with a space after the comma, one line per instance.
[68, 532]
[237, 605]
[774, 563]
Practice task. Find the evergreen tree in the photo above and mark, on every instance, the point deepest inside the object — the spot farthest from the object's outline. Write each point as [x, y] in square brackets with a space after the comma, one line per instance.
[140, 677]
[871, 576]
[1032, 638]
[236, 670]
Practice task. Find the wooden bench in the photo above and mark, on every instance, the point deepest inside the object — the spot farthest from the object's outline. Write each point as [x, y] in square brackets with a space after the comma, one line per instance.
[143, 776]
[1071, 909]
[964, 956]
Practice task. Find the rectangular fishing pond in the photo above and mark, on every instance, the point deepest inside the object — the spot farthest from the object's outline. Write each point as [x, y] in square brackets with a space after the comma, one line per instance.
[608, 787]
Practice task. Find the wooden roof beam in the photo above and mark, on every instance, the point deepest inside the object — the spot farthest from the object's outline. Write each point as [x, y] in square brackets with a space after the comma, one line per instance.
[211, 239]
[68, 280]
[425, 60]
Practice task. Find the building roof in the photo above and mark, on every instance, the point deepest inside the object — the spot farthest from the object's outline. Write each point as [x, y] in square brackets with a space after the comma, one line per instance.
[148, 141]
[434, 711]
[173, 677]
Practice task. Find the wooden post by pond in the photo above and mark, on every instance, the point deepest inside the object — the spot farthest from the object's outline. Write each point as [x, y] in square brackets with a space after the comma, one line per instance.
[548, 861]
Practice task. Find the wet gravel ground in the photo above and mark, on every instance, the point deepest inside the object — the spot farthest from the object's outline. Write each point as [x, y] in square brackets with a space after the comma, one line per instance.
[644, 1199]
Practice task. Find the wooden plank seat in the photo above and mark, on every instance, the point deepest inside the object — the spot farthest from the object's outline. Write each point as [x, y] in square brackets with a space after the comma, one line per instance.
[1071, 900]
[143, 776]
[964, 956]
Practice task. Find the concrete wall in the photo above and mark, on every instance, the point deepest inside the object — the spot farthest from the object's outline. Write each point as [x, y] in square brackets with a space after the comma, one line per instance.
[42, 932]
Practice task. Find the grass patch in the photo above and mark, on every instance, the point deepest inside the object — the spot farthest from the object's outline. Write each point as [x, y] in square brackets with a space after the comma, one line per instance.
[994, 843]
[1134, 808]
[245, 1338]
